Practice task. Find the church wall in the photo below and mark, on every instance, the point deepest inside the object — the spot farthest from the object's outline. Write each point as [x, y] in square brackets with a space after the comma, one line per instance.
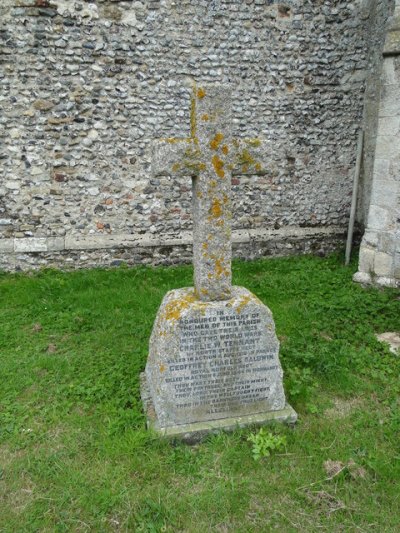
[85, 87]
[379, 260]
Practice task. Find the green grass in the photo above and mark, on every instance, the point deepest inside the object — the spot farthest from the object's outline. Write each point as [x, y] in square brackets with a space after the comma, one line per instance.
[74, 454]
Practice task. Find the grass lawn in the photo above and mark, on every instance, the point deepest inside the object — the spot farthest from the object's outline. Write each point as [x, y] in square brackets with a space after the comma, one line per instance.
[74, 454]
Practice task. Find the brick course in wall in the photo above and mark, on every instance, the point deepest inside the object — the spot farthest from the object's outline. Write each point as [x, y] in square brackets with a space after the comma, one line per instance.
[85, 88]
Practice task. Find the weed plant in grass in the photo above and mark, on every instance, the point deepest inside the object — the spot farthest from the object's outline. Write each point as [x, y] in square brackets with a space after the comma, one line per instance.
[74, 454]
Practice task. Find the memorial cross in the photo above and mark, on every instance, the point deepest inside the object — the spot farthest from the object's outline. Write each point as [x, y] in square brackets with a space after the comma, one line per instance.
[210, 156]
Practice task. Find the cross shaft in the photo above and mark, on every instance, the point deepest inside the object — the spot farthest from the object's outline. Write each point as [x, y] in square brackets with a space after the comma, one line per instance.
[210, 156]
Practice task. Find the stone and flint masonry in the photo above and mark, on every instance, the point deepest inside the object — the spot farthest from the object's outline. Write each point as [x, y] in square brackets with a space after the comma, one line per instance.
[213, 361]
[86, 86]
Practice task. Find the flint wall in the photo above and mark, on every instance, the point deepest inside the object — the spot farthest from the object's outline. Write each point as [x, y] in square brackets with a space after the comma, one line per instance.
[86, 86]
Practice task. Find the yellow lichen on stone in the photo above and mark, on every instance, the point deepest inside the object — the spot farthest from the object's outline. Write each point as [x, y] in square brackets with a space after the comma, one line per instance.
[193, 166]
[205, 245]
[201, 93]
[199, 194]
[176, 167]
[172, 140]
[173, 310]
[205, 117]
[215, 143]
[254, 142]
[244, 300]
[225, 198]
[162, 368]
[193, 152]
[213, 183]
[246, 160]
[220, 270]
[215, 209]
[193, 117]
[225, 149]
[218, 165]
[192, 159]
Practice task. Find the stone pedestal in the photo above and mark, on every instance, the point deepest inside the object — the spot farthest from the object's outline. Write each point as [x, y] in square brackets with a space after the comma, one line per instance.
[213, 365]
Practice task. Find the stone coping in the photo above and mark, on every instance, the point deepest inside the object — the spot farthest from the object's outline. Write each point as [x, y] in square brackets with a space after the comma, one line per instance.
[97, 242]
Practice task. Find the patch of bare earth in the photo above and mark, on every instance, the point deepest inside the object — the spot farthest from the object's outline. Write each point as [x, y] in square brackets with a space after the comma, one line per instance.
[325, 501]
[343, 407]
[334, 468]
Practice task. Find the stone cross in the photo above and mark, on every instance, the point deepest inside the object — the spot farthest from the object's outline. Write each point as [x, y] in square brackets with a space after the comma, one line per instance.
[210, 156]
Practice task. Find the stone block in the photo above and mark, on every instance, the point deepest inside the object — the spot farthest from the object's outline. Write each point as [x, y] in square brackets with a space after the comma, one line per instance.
[388, 72]
[387, 146]
[362, 277]
[386, 242]
[382, 281]
[240, 236]
[371, 238]
[390, 100]
[378, 218]
[366, 260]
[397, 266]
[381, 168]
[6, 246]
[55, 244]
[213, 365]
[389, 126]
[384, 193]
[30, 244]
[392, 43]
[383, 264]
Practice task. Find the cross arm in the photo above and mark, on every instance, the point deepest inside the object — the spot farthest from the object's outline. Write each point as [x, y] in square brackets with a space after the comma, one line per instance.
[176, 157]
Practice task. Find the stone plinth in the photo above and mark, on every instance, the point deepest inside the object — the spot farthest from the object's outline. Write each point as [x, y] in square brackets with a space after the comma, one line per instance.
[213, 365]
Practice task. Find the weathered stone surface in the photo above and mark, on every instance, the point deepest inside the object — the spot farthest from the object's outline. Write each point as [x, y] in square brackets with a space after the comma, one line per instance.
[363, 278]
[6, 246]
[366, 260]
[30, 245]
[210, 156]
[383, 264]
[213, 360]
[206, 156]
